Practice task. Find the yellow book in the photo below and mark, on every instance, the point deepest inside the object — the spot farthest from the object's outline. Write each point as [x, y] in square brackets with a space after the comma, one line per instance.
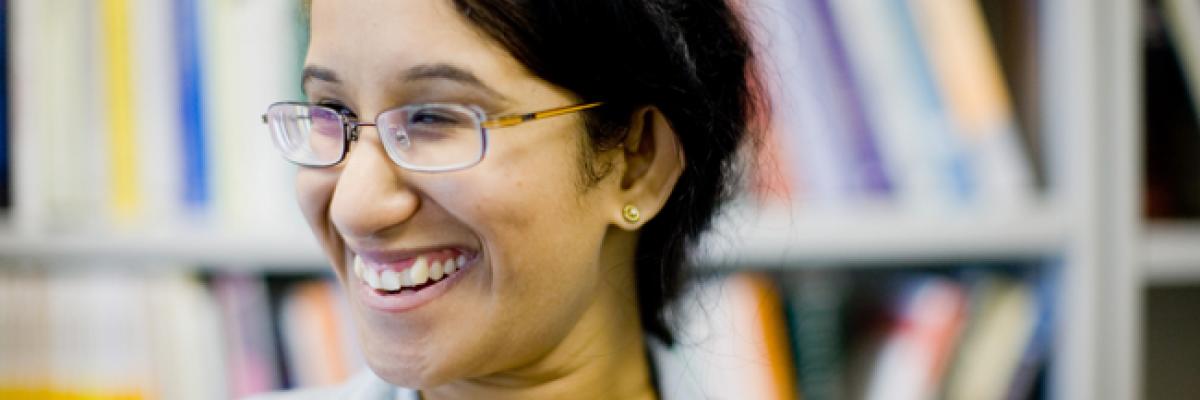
[119, 85]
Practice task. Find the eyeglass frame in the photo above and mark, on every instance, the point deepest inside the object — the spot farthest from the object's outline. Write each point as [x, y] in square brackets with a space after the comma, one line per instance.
[350, 128]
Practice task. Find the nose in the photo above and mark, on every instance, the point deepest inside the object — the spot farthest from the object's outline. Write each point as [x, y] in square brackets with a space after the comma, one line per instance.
[372, 194]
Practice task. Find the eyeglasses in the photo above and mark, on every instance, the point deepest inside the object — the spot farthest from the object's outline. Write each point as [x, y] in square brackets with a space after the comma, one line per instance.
[421, 137]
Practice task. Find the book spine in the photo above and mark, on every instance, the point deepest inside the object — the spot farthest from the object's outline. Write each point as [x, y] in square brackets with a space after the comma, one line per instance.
[157, 104]
[873, 178]
[193, 125]
[968, 72]
[5, 160]
[122, 137]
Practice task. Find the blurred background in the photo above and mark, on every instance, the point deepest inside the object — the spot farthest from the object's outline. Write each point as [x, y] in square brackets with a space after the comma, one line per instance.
[981, 199]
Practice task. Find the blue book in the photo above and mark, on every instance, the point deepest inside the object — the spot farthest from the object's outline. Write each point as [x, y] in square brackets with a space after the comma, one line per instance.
[5, 160]
[191, 105]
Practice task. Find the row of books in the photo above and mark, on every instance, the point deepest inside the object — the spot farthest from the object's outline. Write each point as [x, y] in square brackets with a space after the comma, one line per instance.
[144, 114]
[901, 102]
[111, 333]
[980, 333]
[963, 332]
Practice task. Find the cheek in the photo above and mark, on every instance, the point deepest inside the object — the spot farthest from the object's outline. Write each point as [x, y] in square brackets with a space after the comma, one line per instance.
[314, 190]
[540, 228]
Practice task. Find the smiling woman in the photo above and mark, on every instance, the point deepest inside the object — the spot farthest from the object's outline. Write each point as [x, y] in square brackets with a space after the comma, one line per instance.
[508, 189]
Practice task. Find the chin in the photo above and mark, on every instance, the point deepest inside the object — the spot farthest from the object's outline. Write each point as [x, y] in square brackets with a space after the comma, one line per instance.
[409, 370]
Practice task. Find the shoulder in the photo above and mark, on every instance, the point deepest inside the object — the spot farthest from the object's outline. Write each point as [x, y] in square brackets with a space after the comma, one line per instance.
[677, 379]
[362, 386]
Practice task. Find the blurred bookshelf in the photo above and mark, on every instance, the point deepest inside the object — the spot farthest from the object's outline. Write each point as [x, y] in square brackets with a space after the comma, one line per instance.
[1171, 253]
[875, 188]
[1169, 225]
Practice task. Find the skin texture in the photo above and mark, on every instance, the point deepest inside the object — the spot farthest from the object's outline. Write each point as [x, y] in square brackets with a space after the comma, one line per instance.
[549, 309]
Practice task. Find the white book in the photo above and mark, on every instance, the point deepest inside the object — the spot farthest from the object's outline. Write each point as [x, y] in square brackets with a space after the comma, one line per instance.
[158, 114]
[890, 83]
[29, 96]
[800, 117]
[960, 51]
[187, 340]
[99, 331]
[252, 57]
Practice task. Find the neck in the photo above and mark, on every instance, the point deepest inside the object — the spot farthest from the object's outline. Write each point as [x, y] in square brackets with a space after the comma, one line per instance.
[603, 356]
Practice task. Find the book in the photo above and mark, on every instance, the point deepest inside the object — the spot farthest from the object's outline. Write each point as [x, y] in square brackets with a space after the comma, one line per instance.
[816, 115]
[954, 36]
[194, 147]
[5, 160]
[314, 346]
[918, 149]
[186, 338]
[1183, 26]
[732, 341]
[156, 101]
[251, 185]
[816, 307]
[926, 318]
[1004, 314]
[97, 347]
[118, 110]
[250, 345]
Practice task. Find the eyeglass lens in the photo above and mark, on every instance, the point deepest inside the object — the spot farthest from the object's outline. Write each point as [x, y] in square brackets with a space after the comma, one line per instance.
[309, 135]
[432, 137]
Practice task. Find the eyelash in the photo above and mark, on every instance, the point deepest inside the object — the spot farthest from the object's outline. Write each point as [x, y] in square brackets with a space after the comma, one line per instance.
[339, 107]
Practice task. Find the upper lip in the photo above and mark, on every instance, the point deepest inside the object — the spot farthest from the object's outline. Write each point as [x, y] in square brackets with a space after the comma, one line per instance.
[385, 256]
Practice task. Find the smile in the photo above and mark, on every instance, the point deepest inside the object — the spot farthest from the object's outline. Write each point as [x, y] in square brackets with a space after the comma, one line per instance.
[409, 275]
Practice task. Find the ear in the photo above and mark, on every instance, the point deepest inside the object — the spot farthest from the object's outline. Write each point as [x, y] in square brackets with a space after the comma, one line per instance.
[650, 164]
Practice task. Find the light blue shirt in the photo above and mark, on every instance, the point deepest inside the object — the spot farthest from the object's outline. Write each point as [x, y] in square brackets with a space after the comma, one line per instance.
[676, 380]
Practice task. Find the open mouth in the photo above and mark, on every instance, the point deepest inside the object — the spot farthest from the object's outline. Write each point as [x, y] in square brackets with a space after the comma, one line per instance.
[411, 275]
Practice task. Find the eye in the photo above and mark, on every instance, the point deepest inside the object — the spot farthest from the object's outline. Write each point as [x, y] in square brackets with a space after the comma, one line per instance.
[434, 117]
[338, 106]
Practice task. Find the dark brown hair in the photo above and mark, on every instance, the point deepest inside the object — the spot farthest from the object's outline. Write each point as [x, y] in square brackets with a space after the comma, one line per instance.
[691, 59]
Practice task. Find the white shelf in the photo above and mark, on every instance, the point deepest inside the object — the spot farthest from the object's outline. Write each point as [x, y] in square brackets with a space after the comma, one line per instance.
[291, 251]
[745, 238]
[778, 238]
[1171, 252]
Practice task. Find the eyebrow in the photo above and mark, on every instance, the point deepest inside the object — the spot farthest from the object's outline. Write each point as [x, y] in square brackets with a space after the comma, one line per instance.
[312, 72]
[412, 74]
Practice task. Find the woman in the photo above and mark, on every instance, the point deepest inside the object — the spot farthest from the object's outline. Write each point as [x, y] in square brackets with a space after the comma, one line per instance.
[507, 189]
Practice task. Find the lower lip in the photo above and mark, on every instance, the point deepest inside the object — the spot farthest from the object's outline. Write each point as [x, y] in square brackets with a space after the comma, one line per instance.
[407, 300]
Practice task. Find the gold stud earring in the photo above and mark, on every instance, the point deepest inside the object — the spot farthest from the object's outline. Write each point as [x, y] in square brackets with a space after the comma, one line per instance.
[631, 213]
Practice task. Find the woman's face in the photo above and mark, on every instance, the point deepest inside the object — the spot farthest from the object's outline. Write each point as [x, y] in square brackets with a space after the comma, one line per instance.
[524, 235]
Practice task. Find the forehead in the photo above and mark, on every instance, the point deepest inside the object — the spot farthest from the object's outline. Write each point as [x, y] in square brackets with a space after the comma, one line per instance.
[368, 42]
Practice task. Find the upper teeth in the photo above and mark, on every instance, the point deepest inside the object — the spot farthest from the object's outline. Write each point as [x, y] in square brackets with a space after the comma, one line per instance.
[422, 271]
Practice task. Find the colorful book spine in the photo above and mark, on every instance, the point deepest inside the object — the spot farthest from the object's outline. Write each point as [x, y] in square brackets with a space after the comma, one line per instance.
[193, 124]
[891, 90]
[949, 159]
[5, 160]
[157, 100]
[122, 137]
[815, 303]
[313, 346]
[872, 177]
[251, 349]
[969, 76]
